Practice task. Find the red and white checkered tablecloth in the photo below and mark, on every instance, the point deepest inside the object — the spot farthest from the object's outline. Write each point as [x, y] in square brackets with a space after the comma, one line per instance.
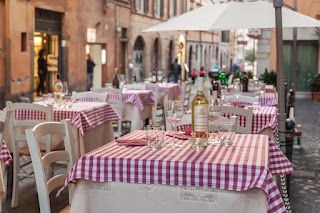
[5, 154]
[139, 98]
[246, 164]
[268, 99]
[173, 90]
[84, 115]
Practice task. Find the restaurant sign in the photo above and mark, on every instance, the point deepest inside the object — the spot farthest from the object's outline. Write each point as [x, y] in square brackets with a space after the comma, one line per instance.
[91, 35]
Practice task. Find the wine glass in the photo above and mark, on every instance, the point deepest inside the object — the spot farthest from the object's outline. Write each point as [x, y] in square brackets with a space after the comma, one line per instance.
[174, 113]
[65, 88]
[214, 114]
[122, 80]
[160, 76]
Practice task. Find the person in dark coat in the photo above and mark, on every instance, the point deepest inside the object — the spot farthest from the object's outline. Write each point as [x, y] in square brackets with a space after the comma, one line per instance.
[42, 70]
[176, 70]
[90, 66]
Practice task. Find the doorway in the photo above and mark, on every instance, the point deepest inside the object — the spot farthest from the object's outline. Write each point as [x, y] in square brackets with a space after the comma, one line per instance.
[95, 51]
[51, 44]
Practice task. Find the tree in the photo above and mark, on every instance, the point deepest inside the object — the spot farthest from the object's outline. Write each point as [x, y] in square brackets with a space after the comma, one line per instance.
[250, 56]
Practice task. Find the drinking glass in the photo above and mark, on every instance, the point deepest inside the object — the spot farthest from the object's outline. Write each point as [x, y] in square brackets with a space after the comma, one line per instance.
[48, 99]
[214, 114]
[227, 133]
[122, 80]
[174, 113]
[65, 88]
[155, 136]
[68, 102]
[160, 76]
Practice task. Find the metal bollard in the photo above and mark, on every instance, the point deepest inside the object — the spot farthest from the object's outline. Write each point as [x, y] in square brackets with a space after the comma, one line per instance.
[287, 147]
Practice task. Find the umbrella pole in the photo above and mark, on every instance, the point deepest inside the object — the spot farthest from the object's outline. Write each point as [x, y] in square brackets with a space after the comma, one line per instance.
[280, 75]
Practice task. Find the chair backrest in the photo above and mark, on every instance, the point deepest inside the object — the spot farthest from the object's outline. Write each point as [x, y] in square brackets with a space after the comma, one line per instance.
[24, 116]
[243, 115]
[115, 99]
[241, 98]
[40, 164]
[89, 96]
[155, 90]
[135, 86]
[4, 122]
[186, 88]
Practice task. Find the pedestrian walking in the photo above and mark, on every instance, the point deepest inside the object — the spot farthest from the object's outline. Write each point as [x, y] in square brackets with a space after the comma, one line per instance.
[42, 70]
[201, 72]
[176, 70]
[193, 75]
[90, 66]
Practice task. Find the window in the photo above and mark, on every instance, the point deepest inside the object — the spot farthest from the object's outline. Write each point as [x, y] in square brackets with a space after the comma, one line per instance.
[141, 5]
[158, 8]
[173, 8]
[182, 6]
[225, 36]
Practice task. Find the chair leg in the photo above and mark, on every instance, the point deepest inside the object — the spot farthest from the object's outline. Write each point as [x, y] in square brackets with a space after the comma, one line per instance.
[16, 170]
[9, 180]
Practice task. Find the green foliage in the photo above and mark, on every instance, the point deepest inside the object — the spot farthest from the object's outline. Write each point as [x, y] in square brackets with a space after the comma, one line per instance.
[250, 56]
[315, 83]
[269, 77]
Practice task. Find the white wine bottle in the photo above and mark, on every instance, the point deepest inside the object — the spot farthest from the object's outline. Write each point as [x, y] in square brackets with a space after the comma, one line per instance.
[58, 86]
[200, 115]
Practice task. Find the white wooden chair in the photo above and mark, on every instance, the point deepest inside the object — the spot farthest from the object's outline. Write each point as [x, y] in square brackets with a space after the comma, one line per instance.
[4, 121]
[89, 96]
[186, 120]
[135, 86]
[17, 130]
[158, 115]
[186, 87]
[240, 112]
[41, 163]
[241, 98]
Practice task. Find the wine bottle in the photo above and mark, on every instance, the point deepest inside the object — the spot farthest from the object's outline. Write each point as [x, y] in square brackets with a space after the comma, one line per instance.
[216, 88]
[154, 76]
[115, 82]
[245, 82]
[200, 113]
[58, 86]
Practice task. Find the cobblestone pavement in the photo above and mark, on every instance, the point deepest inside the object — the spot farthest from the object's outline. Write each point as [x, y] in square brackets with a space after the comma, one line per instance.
[305, 181]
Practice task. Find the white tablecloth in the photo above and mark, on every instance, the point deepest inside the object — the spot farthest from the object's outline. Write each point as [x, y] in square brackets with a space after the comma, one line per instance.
[115, 197]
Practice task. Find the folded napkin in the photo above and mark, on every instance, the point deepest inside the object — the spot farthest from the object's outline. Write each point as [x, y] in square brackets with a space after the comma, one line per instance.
[179, 136]
[238, 105]
[132, 142]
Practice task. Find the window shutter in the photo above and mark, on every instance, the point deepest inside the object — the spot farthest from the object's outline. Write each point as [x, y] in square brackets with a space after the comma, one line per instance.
[161, 8]
[146, 6]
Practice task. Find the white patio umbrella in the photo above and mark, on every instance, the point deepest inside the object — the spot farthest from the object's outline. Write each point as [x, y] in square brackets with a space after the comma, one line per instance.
[241, 14]
[234, 15]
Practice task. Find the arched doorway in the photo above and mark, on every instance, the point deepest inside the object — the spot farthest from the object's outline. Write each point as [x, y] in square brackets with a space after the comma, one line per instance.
[170, 58]
[138, 70]
[156, 55]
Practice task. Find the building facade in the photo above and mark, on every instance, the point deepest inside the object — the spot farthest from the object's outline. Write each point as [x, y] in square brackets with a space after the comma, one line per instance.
[110, 31]
[308, 52]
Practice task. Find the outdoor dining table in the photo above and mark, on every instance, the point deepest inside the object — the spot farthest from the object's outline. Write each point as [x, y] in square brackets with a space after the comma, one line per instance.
[91, 124]
[137, 106]
[265, 98]
[117, 178]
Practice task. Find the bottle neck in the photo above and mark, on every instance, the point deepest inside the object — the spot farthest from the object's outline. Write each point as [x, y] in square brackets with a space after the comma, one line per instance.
[200, 85]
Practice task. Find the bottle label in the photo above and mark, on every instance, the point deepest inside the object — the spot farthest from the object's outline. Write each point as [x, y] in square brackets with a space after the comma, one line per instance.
[201, 117]
[214, 94]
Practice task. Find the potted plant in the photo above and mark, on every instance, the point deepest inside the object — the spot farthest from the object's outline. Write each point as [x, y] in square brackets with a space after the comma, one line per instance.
[315, 88]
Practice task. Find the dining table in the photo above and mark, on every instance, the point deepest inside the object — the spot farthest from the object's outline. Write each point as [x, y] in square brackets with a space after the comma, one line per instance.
[91, 124]
[118, 178]
[137, 106]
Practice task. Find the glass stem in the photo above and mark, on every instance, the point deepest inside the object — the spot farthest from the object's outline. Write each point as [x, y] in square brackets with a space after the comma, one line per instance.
[174, 134]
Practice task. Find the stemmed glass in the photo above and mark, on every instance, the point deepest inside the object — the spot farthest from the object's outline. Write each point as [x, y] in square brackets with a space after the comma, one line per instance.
[174, 113]
[122, 80]
[160, 76]
[214, 114]
[65, 88]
